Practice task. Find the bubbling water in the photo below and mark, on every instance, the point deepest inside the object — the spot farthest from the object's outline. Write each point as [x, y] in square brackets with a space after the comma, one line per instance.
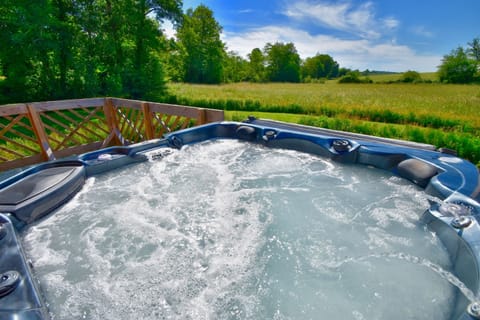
[231, 230]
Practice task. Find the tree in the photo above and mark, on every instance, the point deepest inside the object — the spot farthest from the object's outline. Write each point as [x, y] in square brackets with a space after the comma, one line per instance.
[235, 68]
[26, 38]
[199, 36]
[411, 77]
[320, 66]
[148, 75]
[354, 77]
[474, 52]
[457, 67]
[283, 62]
[173, 58]
[256, 66]
[474, 49]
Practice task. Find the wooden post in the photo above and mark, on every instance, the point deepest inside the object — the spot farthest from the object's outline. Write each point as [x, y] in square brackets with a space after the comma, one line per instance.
[202, 116]
[147, 121]
[112, 123]
[40, 133]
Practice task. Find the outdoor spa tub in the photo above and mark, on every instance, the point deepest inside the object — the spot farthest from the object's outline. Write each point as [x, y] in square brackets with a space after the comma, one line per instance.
[251, 220]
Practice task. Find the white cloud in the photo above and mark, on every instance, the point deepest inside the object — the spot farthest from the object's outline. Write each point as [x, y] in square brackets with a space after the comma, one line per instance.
[356, 54]
[360, 19]
[390, 23]
[422, 31]
[168, 30]
[329, 15]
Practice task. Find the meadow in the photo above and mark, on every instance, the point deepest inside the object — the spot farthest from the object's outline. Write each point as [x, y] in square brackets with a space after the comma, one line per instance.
[443, 115]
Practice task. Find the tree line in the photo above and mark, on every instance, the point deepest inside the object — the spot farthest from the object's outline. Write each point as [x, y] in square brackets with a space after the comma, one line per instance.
[56, 49]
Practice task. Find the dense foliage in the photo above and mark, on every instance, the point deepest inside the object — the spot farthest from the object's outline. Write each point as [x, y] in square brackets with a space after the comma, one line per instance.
[203, 51]
[283, 62]
[354, 77]
[411, 77]
[320, 66]
[54, 49]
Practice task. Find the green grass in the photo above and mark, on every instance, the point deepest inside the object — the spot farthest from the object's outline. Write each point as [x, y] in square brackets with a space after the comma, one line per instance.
[443, 115]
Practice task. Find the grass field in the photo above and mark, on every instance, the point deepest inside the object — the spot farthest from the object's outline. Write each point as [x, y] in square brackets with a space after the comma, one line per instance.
[449, 102]
[443, 115]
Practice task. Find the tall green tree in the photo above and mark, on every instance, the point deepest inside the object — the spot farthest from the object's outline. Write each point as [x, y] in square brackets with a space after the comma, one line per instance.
[173, 59]
[235, 68]
[320, 66]
[147, 76]
[204, 52]
[256, 66]
[474, 49]
[283, 62]
[457, 67]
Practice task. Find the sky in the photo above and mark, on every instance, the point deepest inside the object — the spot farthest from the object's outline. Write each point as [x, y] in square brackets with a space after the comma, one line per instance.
[388, 35]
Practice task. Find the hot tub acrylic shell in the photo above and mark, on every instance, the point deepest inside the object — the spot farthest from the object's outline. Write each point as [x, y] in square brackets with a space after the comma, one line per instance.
[35, 192]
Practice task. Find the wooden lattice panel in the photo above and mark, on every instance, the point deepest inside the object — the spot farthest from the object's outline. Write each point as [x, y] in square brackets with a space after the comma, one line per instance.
[74, 127]
[17, 137]
[165, 123]
[130, 124]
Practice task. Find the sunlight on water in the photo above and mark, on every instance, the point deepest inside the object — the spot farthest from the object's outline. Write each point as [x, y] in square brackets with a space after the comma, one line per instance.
[230, 230]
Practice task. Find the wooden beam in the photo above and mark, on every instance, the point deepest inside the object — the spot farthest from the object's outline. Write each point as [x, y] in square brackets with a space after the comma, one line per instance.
[13, 109]
[212, 115]
[39, 131]
[147, 121]
[67, 104]
[202, 116]
[112, 122]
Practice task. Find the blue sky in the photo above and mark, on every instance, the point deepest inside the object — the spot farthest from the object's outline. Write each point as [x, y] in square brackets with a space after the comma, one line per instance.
[394, 35]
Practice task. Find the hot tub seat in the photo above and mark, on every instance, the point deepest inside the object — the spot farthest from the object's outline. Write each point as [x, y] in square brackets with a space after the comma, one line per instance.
[36, 192]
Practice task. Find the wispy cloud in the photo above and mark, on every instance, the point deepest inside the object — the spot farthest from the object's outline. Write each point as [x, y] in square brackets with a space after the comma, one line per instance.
[359, 19]
[390, 23]
[422, 31]
[245, 11]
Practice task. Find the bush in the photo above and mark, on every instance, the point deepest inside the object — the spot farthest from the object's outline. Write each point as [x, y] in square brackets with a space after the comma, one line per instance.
[411, 77]
[354, 77]
[457, 67]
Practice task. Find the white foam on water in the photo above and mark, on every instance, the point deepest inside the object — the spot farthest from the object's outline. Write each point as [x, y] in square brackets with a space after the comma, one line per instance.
[231, 230]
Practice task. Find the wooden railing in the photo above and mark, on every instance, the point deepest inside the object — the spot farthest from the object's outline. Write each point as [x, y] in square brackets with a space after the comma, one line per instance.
[41, 131]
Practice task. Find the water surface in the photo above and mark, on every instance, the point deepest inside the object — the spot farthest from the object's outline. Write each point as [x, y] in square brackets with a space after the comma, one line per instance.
[231, 230]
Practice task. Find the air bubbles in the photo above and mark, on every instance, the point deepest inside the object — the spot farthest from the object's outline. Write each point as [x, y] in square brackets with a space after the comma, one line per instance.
[232, 230]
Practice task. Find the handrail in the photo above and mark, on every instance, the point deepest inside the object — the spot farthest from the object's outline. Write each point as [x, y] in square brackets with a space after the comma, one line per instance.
[42, 131]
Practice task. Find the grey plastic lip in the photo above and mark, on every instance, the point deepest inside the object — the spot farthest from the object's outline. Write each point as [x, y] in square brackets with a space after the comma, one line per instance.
[9, 280]
[457, 180]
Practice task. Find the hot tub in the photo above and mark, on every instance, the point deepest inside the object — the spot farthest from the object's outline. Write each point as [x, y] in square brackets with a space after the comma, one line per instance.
[203, 228]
